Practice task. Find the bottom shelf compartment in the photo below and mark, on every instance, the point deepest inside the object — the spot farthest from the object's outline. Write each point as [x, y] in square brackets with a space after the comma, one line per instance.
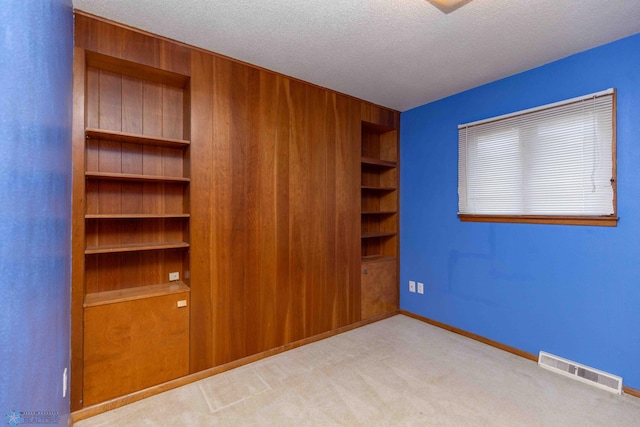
[134, 344]
[378, 286]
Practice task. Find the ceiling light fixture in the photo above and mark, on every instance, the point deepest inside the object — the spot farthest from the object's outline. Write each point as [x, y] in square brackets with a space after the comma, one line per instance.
[448, 6]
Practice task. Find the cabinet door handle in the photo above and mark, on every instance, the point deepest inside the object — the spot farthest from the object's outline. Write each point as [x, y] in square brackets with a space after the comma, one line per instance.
[182, 303]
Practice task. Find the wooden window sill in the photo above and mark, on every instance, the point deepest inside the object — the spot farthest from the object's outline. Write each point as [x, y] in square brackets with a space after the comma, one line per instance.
[603, 221]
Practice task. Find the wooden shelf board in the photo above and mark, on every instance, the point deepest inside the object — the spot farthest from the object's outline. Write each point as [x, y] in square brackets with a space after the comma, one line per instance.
[136, 70]
[377, 258]
[378, 212]
[372, 234]
[378, 162]
[134, 177]
[129, 294]
[93, 133]
[134, 247]
[377, 127]
[135, 216]
[369, 187]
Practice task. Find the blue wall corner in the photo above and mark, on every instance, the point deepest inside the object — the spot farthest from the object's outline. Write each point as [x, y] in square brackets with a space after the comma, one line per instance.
[570, 290]
[36, 60]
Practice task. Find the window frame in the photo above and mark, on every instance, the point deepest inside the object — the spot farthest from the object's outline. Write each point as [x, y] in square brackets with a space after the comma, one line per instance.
[587, 220]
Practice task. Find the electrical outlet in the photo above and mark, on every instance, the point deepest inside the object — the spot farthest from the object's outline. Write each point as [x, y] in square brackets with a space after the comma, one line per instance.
[174, 276]
[420, 288]
[412, 286]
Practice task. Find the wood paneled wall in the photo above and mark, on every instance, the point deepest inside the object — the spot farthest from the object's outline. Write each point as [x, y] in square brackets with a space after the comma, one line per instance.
[275, 238]
[275, 189]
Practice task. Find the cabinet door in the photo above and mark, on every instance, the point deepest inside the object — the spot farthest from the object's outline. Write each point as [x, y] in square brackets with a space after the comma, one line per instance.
[132, 345]
[379, 287]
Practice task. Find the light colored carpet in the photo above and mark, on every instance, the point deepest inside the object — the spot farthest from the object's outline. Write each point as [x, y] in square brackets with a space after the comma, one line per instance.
[396, 372]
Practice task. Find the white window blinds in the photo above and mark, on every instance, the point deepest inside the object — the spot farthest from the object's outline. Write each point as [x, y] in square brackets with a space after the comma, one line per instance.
[551, 160]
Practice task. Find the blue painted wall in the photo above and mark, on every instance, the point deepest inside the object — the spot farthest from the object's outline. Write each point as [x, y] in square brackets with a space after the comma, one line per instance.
[570, 290]
[36, 48]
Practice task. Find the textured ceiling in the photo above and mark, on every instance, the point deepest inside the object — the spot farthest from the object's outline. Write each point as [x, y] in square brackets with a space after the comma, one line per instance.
[396, 53]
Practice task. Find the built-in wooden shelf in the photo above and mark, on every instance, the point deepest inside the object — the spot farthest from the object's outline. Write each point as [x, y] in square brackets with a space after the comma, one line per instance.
[134, 138]
[129, 294]
[379, 212]
[373, 188]
[376, 258]
[378, 162]
[134, 247]
[378, 219]
[135, 177]
[372, 234]
[135, 216]
[135, 188]
[135, 70]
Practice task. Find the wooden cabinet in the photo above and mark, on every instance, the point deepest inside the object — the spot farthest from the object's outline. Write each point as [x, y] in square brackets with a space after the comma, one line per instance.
[379, 219]
[136, 225]
[379, 287]
[133, 341]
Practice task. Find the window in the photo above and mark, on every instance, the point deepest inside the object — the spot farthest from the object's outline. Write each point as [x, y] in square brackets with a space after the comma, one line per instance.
[551, 164]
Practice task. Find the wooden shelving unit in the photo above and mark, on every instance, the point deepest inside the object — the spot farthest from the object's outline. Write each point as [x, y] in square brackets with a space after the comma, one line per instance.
[136, 227]
[379, 219]
[379, 198]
